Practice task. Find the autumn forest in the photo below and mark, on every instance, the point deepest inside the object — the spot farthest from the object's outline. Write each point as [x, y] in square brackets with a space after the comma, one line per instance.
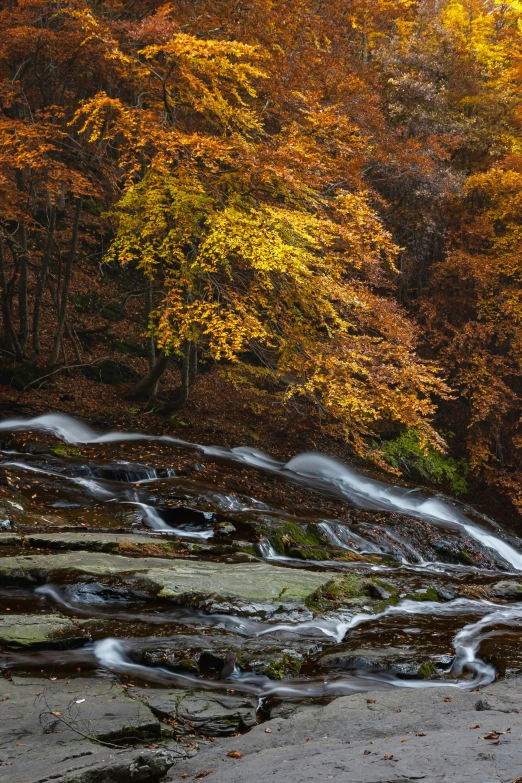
[309, 212]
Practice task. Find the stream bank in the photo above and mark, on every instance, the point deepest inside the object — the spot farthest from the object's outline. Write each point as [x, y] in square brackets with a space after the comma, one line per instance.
[157, 597]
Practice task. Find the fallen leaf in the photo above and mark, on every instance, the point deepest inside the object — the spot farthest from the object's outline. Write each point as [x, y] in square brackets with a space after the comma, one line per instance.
[475, 727]
[404, 740]
[235, 754]
[370, 701]
[203, 774]
[268, 730]
[420, 734]
[388, 758]
[398, 710]
[447, 698]
[56, 713]
[492, 735]
[367, 752]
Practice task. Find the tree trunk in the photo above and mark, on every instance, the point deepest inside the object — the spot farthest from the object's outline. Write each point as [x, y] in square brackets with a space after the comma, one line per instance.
[189, 371]
[62, 312]
[40, 286]
[7, 315]
[23, 304]
[146, 387]
[149, 306]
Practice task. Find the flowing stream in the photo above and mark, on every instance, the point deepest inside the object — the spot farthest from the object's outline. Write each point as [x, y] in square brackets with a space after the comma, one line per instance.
[425, 590]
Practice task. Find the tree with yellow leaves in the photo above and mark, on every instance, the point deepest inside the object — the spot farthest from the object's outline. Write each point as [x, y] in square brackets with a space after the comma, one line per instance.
[261, 269]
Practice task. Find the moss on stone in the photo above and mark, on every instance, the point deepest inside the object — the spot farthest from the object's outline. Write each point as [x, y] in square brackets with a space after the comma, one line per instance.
[336, 591]
[64, 451]
[290, 534]
[426, 670]
[430, 594]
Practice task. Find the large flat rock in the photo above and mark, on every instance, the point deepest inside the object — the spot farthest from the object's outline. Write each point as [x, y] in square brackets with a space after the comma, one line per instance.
[45, 726]
[251, 582]
[436, 735]
[39, 630]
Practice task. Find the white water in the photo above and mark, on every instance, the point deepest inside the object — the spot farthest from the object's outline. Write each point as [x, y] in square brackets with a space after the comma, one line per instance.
[333, 532]
[155, 522]
[361, 490]
[112, 654]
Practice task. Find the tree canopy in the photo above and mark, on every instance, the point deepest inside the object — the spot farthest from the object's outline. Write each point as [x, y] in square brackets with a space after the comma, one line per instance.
[320, 200]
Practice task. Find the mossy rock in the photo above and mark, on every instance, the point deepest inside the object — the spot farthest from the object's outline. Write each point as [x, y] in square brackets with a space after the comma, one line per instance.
[429, 594]
[64, 451]
[111, 372]
[290, 535]
[426, 671]
[353, 590]
[276, 665]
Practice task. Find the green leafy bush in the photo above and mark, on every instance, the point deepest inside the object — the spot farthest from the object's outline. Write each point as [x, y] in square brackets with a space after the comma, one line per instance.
[411, 455]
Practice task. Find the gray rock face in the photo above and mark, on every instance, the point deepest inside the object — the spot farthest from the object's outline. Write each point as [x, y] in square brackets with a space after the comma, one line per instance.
[249, 582]
[400, 660]
[435, 735]
[96, 765]
[210, 714]
[507, 590]
[29, 631]
[45, 726]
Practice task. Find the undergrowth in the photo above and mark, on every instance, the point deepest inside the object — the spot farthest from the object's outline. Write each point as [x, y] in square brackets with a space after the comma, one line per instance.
[410, 454]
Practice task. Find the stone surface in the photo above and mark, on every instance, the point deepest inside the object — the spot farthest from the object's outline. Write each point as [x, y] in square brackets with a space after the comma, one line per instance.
[395, 660]
[29, 631]
[210, 714]
[45, 727]
[436, 735]
[507, 590]
[96, 542]
[254, 582]
[9, 539]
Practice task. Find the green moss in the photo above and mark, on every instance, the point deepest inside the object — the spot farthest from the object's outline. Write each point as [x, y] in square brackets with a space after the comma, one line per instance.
[309, 553]
[290, 534]
[337, 591]
[353, 589]
[426, 671]
[430, 594]
[287, 666]
[64, 451]
[413, 455]
[466, 558]
[380, 606]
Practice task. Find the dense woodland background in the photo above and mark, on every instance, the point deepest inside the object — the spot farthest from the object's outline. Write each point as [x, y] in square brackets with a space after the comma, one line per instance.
[296, 224]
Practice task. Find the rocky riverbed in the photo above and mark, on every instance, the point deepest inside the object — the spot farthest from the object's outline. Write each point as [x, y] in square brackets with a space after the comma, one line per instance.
[169, 610]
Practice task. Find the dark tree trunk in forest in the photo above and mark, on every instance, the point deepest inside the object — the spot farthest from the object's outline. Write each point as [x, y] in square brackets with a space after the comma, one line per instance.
[146, 387]
[40, 286]
[149, 307]
[189, 370]
[23, 272]
[63, 298]
[11, 337]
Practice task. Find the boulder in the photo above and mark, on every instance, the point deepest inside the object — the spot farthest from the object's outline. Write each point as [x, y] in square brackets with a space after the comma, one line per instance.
[39, 630]
[210, 714]
[507, 590]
